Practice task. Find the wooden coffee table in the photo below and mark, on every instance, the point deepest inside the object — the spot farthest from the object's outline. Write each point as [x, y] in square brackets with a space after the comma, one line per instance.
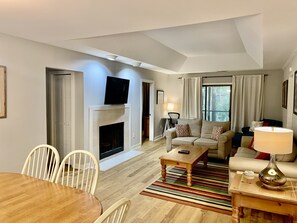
[253, 195]
[173, 158]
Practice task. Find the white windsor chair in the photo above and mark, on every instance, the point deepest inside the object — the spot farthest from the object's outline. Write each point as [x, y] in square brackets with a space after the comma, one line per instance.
[116, 213]
[42, 163]
[79, 169]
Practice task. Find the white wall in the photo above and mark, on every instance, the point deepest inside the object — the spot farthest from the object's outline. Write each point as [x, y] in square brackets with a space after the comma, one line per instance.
[289, 118]
[26, 62]
[273, 95]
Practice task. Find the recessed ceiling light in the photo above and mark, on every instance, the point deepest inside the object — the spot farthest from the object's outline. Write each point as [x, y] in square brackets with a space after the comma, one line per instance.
[111, 57]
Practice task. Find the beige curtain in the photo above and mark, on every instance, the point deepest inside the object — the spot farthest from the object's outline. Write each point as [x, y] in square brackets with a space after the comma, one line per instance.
[247, 100]
[191, 103]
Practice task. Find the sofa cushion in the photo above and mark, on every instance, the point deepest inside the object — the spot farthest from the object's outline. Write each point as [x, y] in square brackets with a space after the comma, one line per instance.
[287, 157]
[216, 132]
[209, 143]
[183, 140]
[207, 127]
[182, 130]
[245, 152]
[194, 126]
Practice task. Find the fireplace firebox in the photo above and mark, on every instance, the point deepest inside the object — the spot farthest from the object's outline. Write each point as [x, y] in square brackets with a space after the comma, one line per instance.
[111, 139]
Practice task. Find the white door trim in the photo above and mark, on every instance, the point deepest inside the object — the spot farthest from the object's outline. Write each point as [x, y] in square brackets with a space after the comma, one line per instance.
[152, 109]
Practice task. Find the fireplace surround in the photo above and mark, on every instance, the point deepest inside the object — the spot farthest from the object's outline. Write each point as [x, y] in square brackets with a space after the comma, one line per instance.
[106, 115]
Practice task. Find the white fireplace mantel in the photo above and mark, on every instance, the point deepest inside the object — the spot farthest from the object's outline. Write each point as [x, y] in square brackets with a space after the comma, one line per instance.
[107, 115]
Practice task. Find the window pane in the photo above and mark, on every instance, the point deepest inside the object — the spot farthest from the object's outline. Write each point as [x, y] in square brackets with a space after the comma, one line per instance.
[216, 103]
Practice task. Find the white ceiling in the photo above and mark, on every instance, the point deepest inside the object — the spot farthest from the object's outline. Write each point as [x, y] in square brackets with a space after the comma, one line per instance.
[170, 36]
[201, 39]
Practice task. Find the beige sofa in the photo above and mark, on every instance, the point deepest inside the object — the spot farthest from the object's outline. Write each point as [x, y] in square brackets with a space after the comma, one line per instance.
[200, 134]
[244, 159]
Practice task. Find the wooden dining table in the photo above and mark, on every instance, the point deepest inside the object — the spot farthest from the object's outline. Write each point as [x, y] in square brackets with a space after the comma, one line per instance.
[28, 200]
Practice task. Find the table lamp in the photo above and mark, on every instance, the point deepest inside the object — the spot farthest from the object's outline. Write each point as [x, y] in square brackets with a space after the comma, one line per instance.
[273, 140]
[170, 107]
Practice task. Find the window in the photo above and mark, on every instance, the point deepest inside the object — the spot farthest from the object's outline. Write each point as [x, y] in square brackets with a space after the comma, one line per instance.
[216, 102]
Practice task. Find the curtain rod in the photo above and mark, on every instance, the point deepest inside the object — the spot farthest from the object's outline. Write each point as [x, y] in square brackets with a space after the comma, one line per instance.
[225, 76]
[229, 76]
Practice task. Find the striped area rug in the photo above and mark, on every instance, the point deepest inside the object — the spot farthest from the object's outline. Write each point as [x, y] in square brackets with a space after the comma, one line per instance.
[209, 188]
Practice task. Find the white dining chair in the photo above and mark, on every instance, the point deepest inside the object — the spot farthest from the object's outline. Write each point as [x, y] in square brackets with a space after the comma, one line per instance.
[79, 169]
[42, 163]
[117, 213]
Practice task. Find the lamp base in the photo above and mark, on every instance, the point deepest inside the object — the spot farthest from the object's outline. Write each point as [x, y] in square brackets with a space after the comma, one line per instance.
[271, 177]
[272, 187]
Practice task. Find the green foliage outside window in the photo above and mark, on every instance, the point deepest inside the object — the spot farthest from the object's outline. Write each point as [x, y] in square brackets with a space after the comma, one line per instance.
[216, 102]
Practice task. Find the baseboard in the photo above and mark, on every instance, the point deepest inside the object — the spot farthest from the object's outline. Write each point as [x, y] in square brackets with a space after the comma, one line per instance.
[159, 137]
[137, 146]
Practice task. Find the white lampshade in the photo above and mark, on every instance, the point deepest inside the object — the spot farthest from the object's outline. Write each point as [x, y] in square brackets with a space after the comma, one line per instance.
[273, 140]
[170, 106]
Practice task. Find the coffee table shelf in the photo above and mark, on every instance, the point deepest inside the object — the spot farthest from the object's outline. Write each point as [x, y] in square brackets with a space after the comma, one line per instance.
[174, 158]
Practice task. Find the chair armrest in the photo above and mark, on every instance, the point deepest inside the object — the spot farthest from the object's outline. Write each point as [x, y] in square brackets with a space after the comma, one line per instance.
[243, 163]
[226, 136]
[170, 134]
[225, 144]
[257, 165]
[246, 140]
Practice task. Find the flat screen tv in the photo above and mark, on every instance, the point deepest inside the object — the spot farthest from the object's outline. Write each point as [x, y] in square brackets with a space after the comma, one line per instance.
[117, 90]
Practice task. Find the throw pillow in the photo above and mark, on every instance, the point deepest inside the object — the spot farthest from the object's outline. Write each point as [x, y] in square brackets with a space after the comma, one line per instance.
[255, 124]
[262, 156]
[182, 130]
[251, 145]
[216, 132]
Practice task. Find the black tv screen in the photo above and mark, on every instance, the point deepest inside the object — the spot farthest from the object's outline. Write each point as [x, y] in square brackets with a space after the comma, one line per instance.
[117, 90]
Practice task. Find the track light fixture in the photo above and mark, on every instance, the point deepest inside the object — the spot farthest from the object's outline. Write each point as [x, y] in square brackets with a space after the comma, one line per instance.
[137, 64]
[112, 57]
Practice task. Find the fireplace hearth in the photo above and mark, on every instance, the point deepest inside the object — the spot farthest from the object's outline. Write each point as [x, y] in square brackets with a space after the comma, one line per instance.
[111, 138]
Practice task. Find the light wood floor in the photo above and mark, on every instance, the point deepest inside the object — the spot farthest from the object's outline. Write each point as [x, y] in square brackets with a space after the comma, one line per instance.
[131, 177]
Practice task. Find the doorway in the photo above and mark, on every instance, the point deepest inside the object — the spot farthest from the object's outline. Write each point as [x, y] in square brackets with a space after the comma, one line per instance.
[63, 112]
[147, 111]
